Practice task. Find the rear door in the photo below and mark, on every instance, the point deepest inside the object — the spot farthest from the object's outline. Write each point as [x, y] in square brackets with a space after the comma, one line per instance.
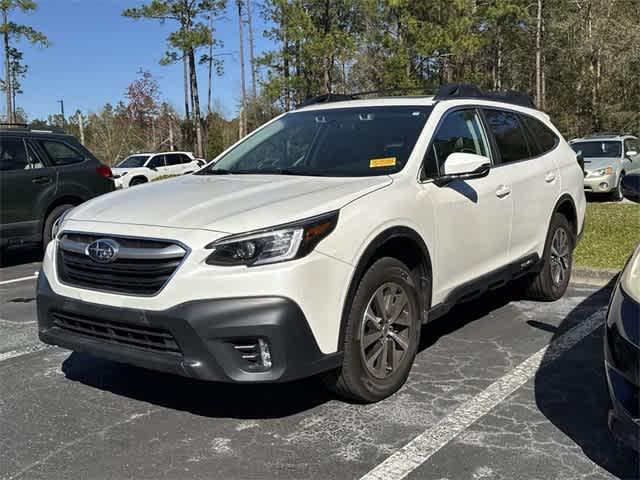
[632, 160]
[175, 163]
[526, 150]
[27, 186]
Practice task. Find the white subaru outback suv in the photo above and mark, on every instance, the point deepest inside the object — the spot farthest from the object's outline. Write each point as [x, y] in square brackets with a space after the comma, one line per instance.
[324, 242]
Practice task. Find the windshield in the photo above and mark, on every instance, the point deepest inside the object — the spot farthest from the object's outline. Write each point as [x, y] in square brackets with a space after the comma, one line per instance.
[133, 161]
[607, 149]
[354, 142]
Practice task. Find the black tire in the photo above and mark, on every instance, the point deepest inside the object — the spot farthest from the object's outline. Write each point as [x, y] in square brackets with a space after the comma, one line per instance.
[354, 380]
[544, 285]
[50, 220]
[616, 194]
[137, 181]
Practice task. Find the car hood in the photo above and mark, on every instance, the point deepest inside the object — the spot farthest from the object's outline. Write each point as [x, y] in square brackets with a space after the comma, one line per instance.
[596, 163]
[227, 203]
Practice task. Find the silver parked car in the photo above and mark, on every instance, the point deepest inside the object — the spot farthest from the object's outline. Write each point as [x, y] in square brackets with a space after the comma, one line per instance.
[607, 159]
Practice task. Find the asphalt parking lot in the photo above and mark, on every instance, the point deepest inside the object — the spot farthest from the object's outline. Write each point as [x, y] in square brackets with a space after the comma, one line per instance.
[502, 389]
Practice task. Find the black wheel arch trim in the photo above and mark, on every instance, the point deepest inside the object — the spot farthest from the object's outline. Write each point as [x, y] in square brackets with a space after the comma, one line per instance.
[425, 290]
[566, 199]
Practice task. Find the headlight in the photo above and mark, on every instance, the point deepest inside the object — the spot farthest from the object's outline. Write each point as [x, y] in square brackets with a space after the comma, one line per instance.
[277, 244]
[55, 229]
[630, 280]
[601, 172]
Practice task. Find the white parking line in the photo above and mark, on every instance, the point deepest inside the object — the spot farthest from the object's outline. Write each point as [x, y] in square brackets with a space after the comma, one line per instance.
[425, 445]
[16, 280]
[23, 351]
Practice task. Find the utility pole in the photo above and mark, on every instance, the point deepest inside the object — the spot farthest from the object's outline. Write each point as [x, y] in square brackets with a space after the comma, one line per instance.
[254, 90]
[81, 126]
[61, 102]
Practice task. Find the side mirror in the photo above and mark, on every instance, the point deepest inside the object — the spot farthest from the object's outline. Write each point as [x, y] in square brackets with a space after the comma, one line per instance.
[463, 166]
[580, 159]
[631, 187]
[155, 169]
[200, 163]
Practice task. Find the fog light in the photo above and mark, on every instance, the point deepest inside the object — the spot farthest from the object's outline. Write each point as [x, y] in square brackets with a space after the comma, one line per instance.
[604, 185]
[265, 353]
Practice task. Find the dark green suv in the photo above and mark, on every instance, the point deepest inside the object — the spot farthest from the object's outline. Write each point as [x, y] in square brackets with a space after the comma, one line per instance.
[43, 173]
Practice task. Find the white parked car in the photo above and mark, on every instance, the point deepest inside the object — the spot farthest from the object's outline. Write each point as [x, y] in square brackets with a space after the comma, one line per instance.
[324, 242]
[144, 167]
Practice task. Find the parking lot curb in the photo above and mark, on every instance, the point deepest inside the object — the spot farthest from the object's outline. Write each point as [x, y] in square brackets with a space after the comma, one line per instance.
[593, 276]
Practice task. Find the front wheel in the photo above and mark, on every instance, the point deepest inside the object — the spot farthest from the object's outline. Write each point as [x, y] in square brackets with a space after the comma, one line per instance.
[617, 194]
[382, 334]
[47, 231]
[552, 281]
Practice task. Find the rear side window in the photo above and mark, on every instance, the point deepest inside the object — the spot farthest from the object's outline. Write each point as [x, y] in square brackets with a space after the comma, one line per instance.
[173, 159]
[509, 134]
[185, 158]
[544, 138]
[61, 153]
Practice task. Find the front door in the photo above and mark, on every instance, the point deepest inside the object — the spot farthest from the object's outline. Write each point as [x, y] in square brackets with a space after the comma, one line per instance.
[472, 218]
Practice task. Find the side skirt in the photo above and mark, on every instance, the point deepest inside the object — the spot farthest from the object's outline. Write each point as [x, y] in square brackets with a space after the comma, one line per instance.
[490, 281]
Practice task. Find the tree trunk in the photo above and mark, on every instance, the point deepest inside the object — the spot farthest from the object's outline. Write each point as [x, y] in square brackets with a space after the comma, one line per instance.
[254, 88]
[196, 104]
[81, 127]
[186, 86]
[171, 144]
[539, 98]
[210, 68]
[7, 70]
[243, 90]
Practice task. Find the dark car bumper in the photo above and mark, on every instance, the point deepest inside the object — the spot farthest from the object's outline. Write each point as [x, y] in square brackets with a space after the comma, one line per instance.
[197, 339]
[622, 363]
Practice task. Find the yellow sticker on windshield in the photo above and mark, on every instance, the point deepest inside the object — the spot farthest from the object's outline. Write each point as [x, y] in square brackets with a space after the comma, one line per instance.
[382, 162]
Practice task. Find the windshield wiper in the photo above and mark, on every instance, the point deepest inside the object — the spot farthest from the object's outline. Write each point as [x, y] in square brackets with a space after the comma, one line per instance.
[215, 171]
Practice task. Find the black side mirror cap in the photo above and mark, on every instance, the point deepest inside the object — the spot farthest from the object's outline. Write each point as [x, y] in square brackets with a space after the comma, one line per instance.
[481, 171]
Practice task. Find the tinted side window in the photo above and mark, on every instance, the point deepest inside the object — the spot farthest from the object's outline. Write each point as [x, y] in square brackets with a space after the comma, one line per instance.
[544, 137]
[157, 161]
[173, 159]
[184, 158]
[509, 135]
[61, 153]
[13, 155]
[460, 132]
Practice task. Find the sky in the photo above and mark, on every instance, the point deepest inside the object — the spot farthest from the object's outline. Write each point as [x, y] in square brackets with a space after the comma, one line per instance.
[95, 53]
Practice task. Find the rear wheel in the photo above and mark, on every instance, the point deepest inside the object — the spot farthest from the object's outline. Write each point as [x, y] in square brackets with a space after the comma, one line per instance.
[552, 281]
[47, 232]
[382, 334]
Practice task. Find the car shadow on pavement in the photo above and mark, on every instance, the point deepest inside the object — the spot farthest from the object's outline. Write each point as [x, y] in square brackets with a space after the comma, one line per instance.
[11, 257]
[209, 399]
[572, 393]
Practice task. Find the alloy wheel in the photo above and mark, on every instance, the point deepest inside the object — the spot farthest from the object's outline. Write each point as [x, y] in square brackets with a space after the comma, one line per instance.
[386, 330]
[560, 256]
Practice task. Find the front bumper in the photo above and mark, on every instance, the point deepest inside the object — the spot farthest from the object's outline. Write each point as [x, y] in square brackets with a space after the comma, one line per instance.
[205, 332]
[603, 184]
[622, 365]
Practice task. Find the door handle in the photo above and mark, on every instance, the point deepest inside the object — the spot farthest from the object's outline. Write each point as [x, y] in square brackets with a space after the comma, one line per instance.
[550, 177]
[502, 191]
[41, 180]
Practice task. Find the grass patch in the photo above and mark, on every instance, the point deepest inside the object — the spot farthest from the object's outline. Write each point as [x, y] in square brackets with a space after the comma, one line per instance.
[611, 232]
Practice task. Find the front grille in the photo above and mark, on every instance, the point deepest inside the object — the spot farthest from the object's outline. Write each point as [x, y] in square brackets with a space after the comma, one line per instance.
[143, 337]
[141, 266]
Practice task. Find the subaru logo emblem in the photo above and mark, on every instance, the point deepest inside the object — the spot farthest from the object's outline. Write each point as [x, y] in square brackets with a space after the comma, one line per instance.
[104, 250]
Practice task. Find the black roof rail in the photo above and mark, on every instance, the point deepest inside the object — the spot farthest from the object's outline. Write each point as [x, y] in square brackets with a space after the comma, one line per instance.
[456, 91]
[326, 98]
[13, 125]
